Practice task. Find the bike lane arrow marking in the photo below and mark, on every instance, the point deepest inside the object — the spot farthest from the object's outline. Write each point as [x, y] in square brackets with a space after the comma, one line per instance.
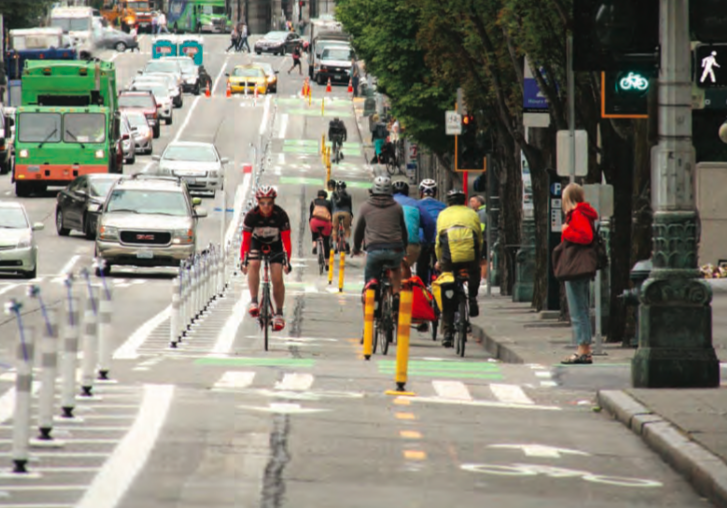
[536, 450]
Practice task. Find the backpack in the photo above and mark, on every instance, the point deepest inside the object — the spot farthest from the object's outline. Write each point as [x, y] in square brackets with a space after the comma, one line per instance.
[321, 212]
[413, 220]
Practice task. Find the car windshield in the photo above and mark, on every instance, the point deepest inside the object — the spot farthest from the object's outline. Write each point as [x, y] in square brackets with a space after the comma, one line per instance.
[148, 202]
[190, 153]
[266, 67]
[136, 101]
[276, 36]
[248, 72]
[12, 218]
[84, 128]
[39, 127]
[213, 9]
[159, 80]
[336, 54]
[71, 24]
[161, 66]
[100, 186]
[39, 41]
[187, 64]
[160, 91]
[139, 6]
[137, 119]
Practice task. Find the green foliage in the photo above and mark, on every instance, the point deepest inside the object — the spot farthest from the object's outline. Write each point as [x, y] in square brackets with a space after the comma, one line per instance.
[384, 35]
[24, 13]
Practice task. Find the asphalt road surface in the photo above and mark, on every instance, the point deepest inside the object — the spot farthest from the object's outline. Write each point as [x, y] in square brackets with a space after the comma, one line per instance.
[219, 422]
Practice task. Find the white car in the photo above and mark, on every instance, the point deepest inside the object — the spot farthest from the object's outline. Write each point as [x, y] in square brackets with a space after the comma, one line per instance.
[18, 251]
[198, 164]
[167, 80]
[161, 94]
[141, 132]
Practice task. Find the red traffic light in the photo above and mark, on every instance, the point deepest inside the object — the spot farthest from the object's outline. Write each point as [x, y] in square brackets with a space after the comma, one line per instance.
[468, 119]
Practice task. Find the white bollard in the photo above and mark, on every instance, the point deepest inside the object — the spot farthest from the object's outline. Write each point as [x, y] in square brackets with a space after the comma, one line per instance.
[184, 281]
[69, 358]
[104, 330]
[195, 288]
[23, 386]
[90, 342]
[175, 315]
[223, 271]
[48, 374]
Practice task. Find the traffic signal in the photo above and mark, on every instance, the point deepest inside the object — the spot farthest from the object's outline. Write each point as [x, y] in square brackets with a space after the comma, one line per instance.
[624, 94]
[710, 65]
[471, 149]
[708, 19]
[615, 34]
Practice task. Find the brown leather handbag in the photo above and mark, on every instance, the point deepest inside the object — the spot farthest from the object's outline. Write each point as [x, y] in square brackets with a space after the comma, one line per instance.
[573, 261]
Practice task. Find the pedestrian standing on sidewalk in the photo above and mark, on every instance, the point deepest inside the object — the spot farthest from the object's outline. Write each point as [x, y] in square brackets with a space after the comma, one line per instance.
[355, 77]
[134, 32]
[578, 228]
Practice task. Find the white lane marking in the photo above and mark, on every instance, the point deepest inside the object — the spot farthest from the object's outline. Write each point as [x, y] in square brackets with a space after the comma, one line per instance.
[511, 394]
[69, 265]
[284, 408]
[485, 403]
[295, 381]
[8, 288]
[130, 456]
[114, 56]
[235, 379]
[281, 158]
[548, 384]
[538, 450]
[239, 199]
[542, 373]
[455, 390]
[46, 488]
[226, 337]
[266, 112]
[283, 126]
[44, 505]
[128, 350]
[219, 76]
[311, 289]
[146, 167]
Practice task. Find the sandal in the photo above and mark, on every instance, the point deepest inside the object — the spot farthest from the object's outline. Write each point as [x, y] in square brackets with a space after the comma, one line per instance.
[576, 359]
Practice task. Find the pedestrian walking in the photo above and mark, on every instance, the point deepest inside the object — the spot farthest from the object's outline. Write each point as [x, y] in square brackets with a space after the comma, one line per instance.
[162, 23]
[296, 61]
[134, 32]
[569, 258]
[154, 23]
[243, 39]
[234, 40]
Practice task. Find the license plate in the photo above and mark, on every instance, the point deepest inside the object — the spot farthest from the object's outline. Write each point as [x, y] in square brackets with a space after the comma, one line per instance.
[189, 179]
[337, 76]
[145, 254]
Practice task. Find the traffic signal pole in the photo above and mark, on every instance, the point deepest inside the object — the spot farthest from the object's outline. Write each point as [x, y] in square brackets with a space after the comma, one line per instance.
[675, 314]
[571, 110]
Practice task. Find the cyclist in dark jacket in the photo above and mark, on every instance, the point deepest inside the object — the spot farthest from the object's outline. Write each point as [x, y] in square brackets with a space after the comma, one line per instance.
[342, 214]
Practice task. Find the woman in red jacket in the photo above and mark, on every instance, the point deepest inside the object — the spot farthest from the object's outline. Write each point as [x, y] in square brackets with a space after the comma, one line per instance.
[578, 228]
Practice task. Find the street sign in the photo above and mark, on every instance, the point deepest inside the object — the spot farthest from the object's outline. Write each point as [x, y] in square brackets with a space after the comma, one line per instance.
[563, 153]
[710, 65]
[453, 123]
[600, 196]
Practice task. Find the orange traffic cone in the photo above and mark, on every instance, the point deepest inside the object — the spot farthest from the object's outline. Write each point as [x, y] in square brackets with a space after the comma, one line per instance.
[350, 86]
[207, 90]
[228, 93]
[328, 86]
[306, 88]
[256, 92]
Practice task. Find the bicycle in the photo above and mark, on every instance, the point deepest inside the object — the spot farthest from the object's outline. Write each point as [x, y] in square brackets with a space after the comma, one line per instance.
[265, 316]
[320, 248]
[384, 316]
[340, 237]
[336, 148]
[461, 323]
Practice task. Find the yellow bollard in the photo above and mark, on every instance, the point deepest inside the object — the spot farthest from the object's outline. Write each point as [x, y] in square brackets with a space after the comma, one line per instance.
[328, 172]
[368, 336]
[323, 143]
[331, 261]
[402, 341]
[310, 97]
[323, 105]
[341, 269]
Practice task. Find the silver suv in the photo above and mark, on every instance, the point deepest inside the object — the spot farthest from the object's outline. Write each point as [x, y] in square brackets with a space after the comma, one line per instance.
[147, 222]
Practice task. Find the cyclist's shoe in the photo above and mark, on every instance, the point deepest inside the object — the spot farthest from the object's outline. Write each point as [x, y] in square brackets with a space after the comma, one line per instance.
[474, 308]
[348, 248]
[278, 322]
[315, 249]
[422, 327]
[253, 309]
[448, 341]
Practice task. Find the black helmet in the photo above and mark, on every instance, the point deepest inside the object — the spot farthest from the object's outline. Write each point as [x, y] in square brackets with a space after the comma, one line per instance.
[401, 187]
[331, 183]
[340, 185]
[456, 197]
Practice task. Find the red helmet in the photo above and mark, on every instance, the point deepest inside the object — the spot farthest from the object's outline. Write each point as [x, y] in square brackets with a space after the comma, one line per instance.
[266, 191]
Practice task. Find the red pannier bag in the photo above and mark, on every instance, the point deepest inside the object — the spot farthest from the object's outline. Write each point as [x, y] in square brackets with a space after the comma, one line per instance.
[422, 305]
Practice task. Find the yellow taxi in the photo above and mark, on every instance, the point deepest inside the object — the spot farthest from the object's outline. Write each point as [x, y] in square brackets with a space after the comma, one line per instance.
[248, 77]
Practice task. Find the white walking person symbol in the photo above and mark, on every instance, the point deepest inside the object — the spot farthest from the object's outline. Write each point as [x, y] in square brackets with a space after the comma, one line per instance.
[708, 64]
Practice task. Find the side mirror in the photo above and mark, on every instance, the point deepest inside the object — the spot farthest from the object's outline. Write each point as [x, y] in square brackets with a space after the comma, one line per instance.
[196, 201]
[93, 207]
[224, 160]
[200, 213]
[124, 137]
[227, 74]
[156, 157]
[38, 226]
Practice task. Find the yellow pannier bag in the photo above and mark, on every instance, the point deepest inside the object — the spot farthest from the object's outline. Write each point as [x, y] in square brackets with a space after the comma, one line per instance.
[443, 279]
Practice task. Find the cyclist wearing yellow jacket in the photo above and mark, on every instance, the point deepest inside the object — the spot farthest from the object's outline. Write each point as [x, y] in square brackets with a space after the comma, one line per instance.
[459, 240]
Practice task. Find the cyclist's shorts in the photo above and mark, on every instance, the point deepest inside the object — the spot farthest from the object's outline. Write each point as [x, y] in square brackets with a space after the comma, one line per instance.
[320, 226]
[277, 253]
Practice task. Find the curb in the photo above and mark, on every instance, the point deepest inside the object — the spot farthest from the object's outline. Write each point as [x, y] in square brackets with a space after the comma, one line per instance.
[706, 472]
[495, 348]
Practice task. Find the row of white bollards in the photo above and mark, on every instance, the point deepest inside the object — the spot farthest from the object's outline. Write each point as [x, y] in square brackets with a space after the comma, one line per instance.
[200, 283]
[95, 329]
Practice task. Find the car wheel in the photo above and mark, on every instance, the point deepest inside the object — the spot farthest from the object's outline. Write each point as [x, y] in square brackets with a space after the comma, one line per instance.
[120, 47]
[168, 121]
[88, 230]
[23, 189]
[62, 231]
[196, 89]
[157, 130]
[5, 167]
[105, 272]
[258, 53]
[319, 79]
[132, 160]
[32, 274]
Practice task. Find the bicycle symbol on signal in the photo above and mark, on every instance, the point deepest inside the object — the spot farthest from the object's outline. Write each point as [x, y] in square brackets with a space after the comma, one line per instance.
[634, 82]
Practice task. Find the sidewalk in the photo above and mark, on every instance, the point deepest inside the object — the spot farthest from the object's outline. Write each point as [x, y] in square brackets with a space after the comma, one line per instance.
[687, 427]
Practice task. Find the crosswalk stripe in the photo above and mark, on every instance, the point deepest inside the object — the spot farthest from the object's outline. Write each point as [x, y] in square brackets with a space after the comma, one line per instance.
[511, 394]
[295, 381]
[235, 379]
[455, 390]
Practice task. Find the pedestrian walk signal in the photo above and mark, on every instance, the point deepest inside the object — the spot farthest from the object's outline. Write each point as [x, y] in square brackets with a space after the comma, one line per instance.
[711, 65]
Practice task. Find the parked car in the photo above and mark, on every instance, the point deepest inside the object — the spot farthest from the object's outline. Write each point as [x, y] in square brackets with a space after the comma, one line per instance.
[248, 78]
[334, 64]
[18, 251]
[147, 222]
[144, 101]
[128, 147]
[141, 132]
[78, 205]
[198, 164]
[190, 73]
[271, 74]
[278, 43]
[6, 142]
[161, 96]
[116, 39]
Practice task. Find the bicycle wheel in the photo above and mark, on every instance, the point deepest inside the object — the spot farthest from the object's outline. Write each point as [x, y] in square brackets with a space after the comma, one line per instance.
[321, 258]
[461, 325]
[385, 323]
[265, 314]
[435, 324]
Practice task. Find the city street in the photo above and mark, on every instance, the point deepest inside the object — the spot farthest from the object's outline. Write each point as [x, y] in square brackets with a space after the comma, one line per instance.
[219, 422]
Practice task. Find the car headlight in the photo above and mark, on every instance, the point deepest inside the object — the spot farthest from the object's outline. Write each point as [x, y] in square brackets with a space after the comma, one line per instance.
[99, 154]
[24, 242]
[93, 207]
[23, 153]
[183, 236]
[108, 233]
[271, 79]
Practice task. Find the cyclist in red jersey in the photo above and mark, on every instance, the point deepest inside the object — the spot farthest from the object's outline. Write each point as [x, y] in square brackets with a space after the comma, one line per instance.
[266, 224]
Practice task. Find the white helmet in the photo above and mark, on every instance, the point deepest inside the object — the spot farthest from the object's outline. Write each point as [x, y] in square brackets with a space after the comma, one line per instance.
[428, 187]
[382, 185]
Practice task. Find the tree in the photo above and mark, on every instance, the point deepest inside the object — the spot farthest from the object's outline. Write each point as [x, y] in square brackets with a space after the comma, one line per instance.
[24, 14]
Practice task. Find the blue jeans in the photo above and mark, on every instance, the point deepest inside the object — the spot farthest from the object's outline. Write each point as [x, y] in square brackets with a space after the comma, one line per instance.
[379, 260]
[577, 292]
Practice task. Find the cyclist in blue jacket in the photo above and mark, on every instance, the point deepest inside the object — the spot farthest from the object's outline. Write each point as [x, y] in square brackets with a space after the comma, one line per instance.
[420, 226]
[428, 201]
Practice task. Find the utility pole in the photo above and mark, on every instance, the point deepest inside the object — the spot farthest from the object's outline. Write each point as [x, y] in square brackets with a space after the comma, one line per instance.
[675, 314]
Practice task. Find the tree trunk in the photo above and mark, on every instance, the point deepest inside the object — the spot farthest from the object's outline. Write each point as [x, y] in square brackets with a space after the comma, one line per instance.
[510, 210]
